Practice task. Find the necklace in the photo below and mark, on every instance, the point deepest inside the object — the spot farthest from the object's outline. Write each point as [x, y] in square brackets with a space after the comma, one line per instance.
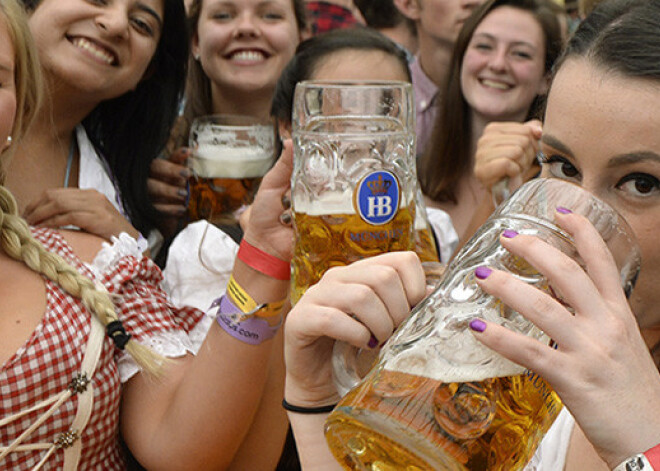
[69, 162]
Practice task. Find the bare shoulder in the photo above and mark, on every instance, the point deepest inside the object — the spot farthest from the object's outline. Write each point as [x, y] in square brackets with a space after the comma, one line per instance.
[84, 244]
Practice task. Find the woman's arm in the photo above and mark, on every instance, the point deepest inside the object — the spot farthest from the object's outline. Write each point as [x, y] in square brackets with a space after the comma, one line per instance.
[199, 412]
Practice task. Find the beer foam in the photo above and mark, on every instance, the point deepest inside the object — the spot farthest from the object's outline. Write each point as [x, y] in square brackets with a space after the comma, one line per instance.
[338, 202]
[213, 161]
[423, 360]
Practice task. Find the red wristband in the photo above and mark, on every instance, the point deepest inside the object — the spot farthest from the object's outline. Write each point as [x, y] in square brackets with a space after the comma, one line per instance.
[653, 455]
[264, 262]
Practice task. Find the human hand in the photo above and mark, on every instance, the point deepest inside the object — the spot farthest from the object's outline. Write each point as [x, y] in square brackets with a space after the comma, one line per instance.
[167, 187]
[360, 304]
[507, 150]
[89, 210]
[267, 221]
[601, 367]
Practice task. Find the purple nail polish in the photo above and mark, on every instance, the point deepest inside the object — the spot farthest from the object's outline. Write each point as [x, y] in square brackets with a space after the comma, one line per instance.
[563, 210]
[373, 342]
[482, 272]
[509, 234]
[477, 325]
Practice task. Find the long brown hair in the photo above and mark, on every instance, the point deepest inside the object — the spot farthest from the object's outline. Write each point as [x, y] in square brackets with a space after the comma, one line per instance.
[447, 158]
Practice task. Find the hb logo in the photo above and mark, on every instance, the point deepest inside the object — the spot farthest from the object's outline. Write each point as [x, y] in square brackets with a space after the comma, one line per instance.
[377, 197]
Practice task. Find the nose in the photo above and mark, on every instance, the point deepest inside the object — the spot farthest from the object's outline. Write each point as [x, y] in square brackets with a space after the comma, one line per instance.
[114, 21]
[246, 26]
[498, 60]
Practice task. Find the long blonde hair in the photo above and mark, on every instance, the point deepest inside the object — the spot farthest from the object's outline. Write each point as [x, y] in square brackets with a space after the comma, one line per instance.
[16, 239]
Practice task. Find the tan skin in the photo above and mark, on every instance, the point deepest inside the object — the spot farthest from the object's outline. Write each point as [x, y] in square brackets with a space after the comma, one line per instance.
[77, 82]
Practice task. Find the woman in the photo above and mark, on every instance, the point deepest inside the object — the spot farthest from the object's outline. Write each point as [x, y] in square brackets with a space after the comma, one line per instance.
[500, 69]
[239, 49]
[199, 411]
[87, 156]
[601, 368]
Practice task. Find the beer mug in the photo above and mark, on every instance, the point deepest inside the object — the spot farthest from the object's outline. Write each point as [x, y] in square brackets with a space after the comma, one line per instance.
[354, 178]
[439, 399]
[230, 155]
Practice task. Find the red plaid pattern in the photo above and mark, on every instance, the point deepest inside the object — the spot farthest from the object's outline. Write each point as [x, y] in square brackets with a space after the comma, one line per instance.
[324, 17]
[46, 363]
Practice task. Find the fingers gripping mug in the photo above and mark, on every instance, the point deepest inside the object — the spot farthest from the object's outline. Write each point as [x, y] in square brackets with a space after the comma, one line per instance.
[437, 398]
[354, 179]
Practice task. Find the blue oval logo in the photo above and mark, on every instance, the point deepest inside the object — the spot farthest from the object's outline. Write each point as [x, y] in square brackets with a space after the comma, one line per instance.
[377, 197]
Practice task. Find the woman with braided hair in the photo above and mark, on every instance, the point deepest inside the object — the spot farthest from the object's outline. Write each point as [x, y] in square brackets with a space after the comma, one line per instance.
[86, 329]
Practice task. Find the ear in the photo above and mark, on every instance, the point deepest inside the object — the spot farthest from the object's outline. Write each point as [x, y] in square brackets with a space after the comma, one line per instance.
[305, 34]
[194, 46]
[409, 8]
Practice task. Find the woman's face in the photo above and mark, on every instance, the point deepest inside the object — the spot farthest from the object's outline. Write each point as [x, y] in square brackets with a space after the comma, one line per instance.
[244, 45]
[7, 86]
[503, 66]
[601, 132]
[99, 48]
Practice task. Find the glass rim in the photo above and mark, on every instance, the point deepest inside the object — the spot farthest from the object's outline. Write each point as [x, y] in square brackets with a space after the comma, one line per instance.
[338, 84]
[241, 121]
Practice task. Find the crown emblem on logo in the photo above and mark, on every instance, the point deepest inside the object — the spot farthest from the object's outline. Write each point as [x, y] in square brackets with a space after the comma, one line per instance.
[379, 186]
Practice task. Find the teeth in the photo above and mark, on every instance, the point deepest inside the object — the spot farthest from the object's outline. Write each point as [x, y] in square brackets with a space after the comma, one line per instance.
[93, 49]
[498, 85]
[248, 56]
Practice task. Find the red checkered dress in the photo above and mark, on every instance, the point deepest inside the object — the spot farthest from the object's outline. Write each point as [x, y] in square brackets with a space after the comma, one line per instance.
[45, 365]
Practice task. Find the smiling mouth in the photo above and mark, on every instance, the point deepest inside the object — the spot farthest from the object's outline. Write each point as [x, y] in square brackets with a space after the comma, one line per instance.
[247, 56]
[495, 85]
[97, 51]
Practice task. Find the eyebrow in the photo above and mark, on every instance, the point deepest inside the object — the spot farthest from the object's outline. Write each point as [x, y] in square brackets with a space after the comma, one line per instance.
[619, 160]
[514, 43]
[633, 157]
[6, 68]
[147, 9]
[552, 141]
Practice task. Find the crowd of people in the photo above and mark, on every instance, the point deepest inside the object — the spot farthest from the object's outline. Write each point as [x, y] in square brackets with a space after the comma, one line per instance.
[112, 359]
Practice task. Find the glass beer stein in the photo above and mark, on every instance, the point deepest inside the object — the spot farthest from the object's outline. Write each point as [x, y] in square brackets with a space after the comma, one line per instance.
[354, 178]
[230, 155]
[437, 398]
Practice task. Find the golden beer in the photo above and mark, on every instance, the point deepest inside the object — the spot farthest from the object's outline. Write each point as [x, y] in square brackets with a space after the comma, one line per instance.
[494, 424]
[324, 241]
[215, 199]
[224, 179]
[425, 245]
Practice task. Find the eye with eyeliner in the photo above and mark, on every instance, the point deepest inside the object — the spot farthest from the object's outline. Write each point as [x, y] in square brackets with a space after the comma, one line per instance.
[558, 166]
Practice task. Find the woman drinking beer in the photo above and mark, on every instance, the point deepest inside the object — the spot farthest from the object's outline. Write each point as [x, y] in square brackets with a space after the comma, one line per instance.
[600, 132]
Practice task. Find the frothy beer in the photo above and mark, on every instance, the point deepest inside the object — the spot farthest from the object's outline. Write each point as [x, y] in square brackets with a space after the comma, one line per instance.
[329, 232]
[224, 179]
[420, 411]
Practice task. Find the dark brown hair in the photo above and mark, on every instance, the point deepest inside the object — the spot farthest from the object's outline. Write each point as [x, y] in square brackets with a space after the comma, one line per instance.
[447, 158]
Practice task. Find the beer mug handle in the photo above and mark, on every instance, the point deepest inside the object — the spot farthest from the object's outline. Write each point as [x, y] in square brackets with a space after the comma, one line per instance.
[350, 364]
[345, 367]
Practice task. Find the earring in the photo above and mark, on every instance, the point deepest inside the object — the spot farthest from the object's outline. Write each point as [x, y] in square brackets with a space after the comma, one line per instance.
[196, 56]
[8, 143]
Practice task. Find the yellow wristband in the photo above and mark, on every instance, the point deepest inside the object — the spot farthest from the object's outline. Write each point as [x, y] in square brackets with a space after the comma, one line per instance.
[246, 304]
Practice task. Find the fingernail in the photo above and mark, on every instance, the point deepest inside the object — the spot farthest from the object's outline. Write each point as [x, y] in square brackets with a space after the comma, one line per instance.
[286, 202]
[482, 272]
[509, 234]
[185, 173]
[563, 210]
[477, 325]
[182, 193]
[373, 342]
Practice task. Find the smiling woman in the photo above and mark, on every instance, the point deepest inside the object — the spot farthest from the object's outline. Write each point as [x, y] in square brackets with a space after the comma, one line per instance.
[500, 69]
[114, 73]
